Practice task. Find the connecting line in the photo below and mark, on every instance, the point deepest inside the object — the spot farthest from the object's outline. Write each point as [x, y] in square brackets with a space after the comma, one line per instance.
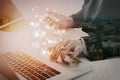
[11, 22]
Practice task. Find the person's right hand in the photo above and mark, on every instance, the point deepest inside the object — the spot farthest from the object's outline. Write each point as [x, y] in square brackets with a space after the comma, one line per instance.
[71, 48]
[58, 21]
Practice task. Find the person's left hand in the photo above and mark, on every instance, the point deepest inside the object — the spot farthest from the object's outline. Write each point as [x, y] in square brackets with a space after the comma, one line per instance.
[70, 48]
[58, 21]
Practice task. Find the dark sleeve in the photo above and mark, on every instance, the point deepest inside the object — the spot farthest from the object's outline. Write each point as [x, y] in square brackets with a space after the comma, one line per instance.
[94, 48]
[77, 18]
[79, 21]
[101, 33]
[103, 41]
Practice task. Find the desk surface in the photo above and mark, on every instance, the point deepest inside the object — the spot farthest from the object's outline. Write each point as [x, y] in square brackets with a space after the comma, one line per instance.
[104, 70]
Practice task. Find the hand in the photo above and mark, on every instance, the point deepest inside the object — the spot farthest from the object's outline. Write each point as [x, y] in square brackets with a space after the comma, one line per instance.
[70, 48]
[58, 21]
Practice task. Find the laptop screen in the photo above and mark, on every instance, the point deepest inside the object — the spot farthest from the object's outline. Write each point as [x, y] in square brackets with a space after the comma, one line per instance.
[9, 15]
[8, 12]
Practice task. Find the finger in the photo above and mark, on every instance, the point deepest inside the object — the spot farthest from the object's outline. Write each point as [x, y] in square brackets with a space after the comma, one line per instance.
[49, 20]
[53, 14]
[63, 43]
[55, 54]
[58, 21]
[56, 50]
[78, 51]
[52, 22]
[57, 17]
[60, 46]
[69, 46]
[70, 54]
[63, 55]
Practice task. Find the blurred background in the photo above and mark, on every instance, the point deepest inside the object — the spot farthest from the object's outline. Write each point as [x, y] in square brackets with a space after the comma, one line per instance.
[66, 7]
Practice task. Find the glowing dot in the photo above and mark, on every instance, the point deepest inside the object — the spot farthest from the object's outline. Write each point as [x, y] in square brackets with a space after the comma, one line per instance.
[48, 27]
[32, 23]
[61, 40]
[58, 31]
[36, 16]
[44, 52]
[56, 20]
[47, 9]
[40, 20]
[49, 41]
[32, 9]
[36, 34]
[36, 7]
[44, 43]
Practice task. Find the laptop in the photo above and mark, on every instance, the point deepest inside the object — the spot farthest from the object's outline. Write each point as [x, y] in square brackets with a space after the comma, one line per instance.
[10, 17]
[41, 68]
[28, 66]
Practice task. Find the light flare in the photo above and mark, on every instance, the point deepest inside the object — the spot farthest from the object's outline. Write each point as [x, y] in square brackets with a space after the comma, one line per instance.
[44, 35]
[32, 24]
[36, 34]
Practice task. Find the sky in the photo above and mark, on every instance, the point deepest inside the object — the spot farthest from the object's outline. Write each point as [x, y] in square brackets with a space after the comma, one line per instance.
[66, 7]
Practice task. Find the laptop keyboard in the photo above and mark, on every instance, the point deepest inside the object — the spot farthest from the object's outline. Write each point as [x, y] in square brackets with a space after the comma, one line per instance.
[28, 67]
